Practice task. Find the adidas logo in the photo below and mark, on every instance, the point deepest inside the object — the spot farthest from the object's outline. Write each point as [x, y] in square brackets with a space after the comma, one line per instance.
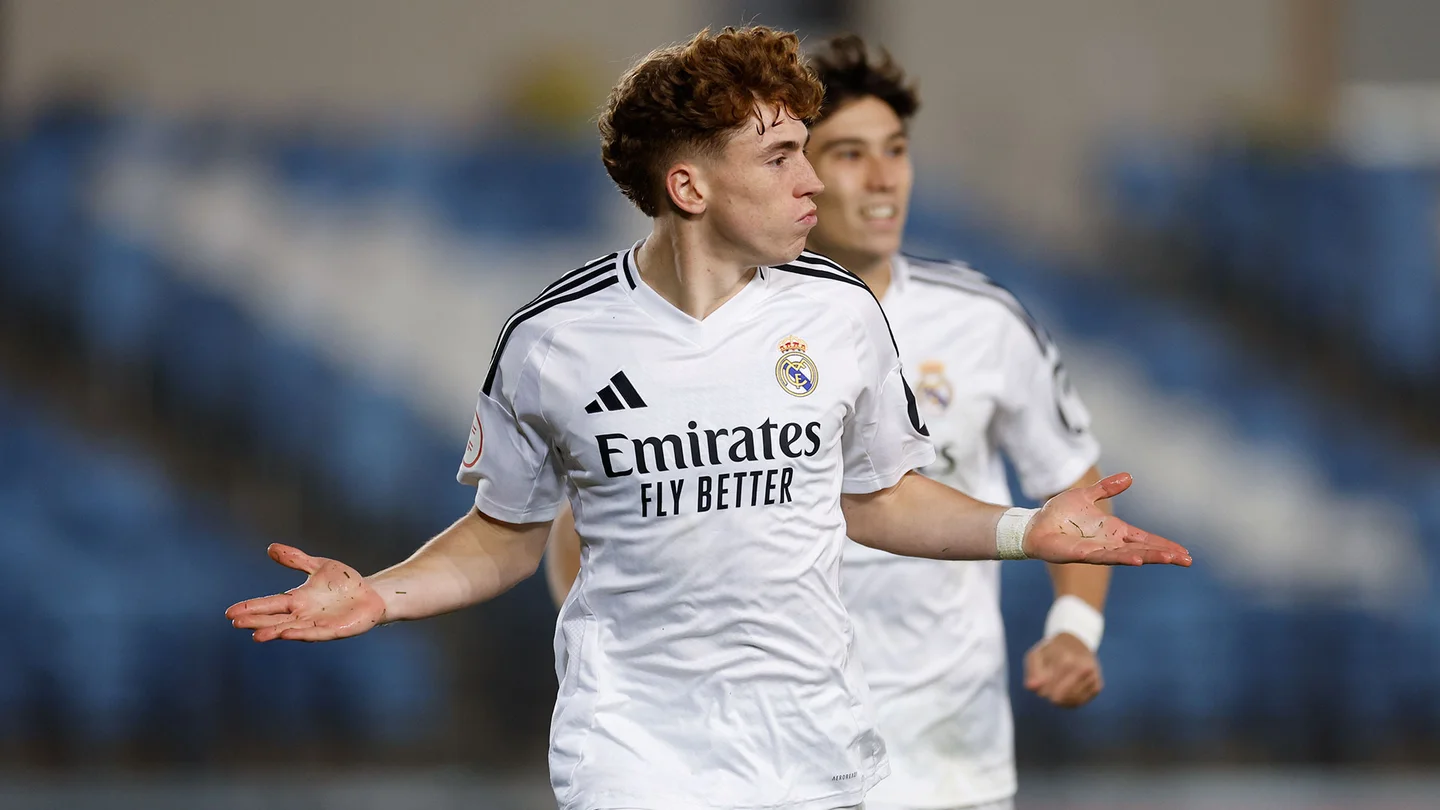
[617, 396]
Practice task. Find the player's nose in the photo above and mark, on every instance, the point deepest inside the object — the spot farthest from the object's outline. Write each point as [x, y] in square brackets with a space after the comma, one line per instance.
[880, 175]
[810, 184]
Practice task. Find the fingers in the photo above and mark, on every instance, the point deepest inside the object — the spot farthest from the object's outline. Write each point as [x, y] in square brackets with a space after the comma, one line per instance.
[1069, 689]
[1109, 487]
[270, 633]
[1077, 689]
[1064, 677]
[1037, 670]
[295, 630]
[288, 628]
[307, 631]
[1123, 555]
[1142, 538]
[1137, 547]
[279, 603]
[1135, 555]
[1161, 556]
[292, 557]
[255, 621]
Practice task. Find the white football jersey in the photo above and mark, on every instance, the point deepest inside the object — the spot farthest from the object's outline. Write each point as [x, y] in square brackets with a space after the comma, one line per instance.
[704, 653]
[990, 383]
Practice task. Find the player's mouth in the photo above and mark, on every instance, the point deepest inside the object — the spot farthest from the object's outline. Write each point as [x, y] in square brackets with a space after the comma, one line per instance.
[885, 213]
[809, 219]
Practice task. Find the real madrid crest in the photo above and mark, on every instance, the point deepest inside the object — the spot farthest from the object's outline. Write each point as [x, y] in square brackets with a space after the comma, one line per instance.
[795, 371]
[934, 388]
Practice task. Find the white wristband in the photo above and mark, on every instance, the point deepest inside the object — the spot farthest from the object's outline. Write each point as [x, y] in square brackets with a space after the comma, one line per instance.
[1010, 533]
[1073, 615]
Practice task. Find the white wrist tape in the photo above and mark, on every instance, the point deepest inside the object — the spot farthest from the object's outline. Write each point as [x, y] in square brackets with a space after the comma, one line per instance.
[1073, 615]
[1010, 533]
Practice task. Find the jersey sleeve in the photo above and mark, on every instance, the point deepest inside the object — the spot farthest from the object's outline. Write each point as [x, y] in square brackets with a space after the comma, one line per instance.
[509, 457]
[884, 437]
[1042, 425]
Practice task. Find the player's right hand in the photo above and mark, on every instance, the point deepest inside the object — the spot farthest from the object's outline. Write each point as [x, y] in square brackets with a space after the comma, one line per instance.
[334, 602]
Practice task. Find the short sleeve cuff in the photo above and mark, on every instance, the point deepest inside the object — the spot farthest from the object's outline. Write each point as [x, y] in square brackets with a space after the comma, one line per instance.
[507, 514]
[1059, 477]
[917, 455]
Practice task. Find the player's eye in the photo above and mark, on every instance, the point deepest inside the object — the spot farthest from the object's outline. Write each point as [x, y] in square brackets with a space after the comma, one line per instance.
[899, 149]
[849, 154]
[779, 161]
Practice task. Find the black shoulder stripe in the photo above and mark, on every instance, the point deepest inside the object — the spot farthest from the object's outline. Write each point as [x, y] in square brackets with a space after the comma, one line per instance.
[629, 277]
[945, 269]
[816, 258]
[982, 285]
[573, 273]
[848, 278]
[963, 277]
[912, 408]
[948, 264]
[576, 279]
[818, 273]
[574, 282]
[521, 317]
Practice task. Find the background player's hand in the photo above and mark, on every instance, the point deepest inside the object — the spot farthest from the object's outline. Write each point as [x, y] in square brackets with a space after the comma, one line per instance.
[334, 602]
[1064, 671]
[1071, 528]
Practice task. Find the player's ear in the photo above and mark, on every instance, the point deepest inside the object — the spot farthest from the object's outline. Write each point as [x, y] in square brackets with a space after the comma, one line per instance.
[686, 188]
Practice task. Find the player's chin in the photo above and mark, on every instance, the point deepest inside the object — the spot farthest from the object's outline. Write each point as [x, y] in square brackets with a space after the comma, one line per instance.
[882, 244]
[789, 252]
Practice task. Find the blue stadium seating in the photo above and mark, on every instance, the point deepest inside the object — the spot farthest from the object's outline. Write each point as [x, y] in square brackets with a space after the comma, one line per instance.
[1327, 245]
[117, 583]
[121, 300]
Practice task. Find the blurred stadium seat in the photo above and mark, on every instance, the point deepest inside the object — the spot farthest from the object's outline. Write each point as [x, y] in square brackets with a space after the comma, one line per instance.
[1328, 246]
[114, 588]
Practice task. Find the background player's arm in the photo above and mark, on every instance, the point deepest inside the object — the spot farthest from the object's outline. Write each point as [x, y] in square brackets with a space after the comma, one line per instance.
[476, 559]
[919, 517]
[1084, 581]
[562, 556]
[1062, 668]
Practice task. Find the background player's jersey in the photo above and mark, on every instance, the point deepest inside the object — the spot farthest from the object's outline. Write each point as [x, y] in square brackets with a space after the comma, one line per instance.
[989, 382]
[704, 652]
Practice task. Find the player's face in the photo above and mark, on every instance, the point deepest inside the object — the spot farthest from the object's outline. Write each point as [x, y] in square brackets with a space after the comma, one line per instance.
[760, 191]
[862, 153]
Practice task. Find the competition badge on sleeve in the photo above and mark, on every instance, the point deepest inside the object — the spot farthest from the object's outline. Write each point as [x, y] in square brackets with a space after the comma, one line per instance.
[476, 442]
[795, 371]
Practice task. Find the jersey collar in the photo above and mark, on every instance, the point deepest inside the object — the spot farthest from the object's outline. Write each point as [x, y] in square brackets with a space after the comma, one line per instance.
[715, 326]
[899, 277]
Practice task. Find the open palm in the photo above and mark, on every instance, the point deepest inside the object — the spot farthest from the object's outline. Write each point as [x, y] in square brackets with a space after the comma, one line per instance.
[334, 602]
[1072, 529]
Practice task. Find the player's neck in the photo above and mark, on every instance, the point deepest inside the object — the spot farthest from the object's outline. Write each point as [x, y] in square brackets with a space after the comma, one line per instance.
[681, 268]
[875, 271]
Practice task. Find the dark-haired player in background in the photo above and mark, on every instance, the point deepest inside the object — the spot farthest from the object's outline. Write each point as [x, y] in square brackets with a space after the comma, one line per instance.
[990, 382]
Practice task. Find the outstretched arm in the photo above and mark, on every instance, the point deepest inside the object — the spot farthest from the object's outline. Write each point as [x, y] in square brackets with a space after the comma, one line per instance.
[476, 559]
[562, 556]
[919, 517]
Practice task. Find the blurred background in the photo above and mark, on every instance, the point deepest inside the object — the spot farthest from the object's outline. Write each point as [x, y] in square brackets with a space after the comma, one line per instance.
[254, 256]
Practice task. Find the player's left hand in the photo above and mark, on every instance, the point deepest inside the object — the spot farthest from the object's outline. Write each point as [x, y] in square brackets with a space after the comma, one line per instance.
[1064, 671]
[1070, 528]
